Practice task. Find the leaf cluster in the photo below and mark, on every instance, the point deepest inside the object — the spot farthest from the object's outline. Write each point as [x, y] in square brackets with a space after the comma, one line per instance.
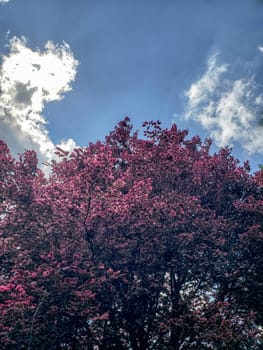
[142, 244]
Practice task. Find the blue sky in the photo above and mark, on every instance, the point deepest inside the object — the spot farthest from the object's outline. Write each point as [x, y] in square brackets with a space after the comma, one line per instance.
[71, 69]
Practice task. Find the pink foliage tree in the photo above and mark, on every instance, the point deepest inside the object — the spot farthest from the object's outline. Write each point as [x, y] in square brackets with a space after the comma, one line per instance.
[131, 243]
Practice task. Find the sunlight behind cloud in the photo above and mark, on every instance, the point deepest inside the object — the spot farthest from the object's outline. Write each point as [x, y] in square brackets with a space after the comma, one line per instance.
[227, 108]
[29, 79]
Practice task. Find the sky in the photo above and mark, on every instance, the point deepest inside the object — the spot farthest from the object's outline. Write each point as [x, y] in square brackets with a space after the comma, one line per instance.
[70, 70]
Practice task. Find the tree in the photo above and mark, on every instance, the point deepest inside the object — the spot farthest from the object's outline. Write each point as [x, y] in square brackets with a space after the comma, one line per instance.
[131, 243]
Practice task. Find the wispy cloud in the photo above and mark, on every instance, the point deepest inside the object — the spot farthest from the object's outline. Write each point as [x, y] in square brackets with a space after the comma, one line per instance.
[260, 48]
[4, 1]
[29, 79]
[229, 109]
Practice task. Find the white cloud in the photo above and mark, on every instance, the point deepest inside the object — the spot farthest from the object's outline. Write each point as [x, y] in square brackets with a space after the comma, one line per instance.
[4, 1]
[205, 87]
[260, 48]
[229, 109]
[28, 80]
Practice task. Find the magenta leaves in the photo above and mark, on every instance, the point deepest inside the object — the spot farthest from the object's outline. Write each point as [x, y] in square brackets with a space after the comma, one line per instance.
[131, 243]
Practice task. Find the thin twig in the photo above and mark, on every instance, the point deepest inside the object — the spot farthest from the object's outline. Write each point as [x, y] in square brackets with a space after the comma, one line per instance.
[32, 324]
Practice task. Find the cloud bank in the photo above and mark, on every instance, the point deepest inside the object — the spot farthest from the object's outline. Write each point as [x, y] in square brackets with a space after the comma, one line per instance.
[29, 79]
[229, 109]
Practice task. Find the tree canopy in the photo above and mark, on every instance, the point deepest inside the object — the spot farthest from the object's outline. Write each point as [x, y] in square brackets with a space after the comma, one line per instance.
[131, 243]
